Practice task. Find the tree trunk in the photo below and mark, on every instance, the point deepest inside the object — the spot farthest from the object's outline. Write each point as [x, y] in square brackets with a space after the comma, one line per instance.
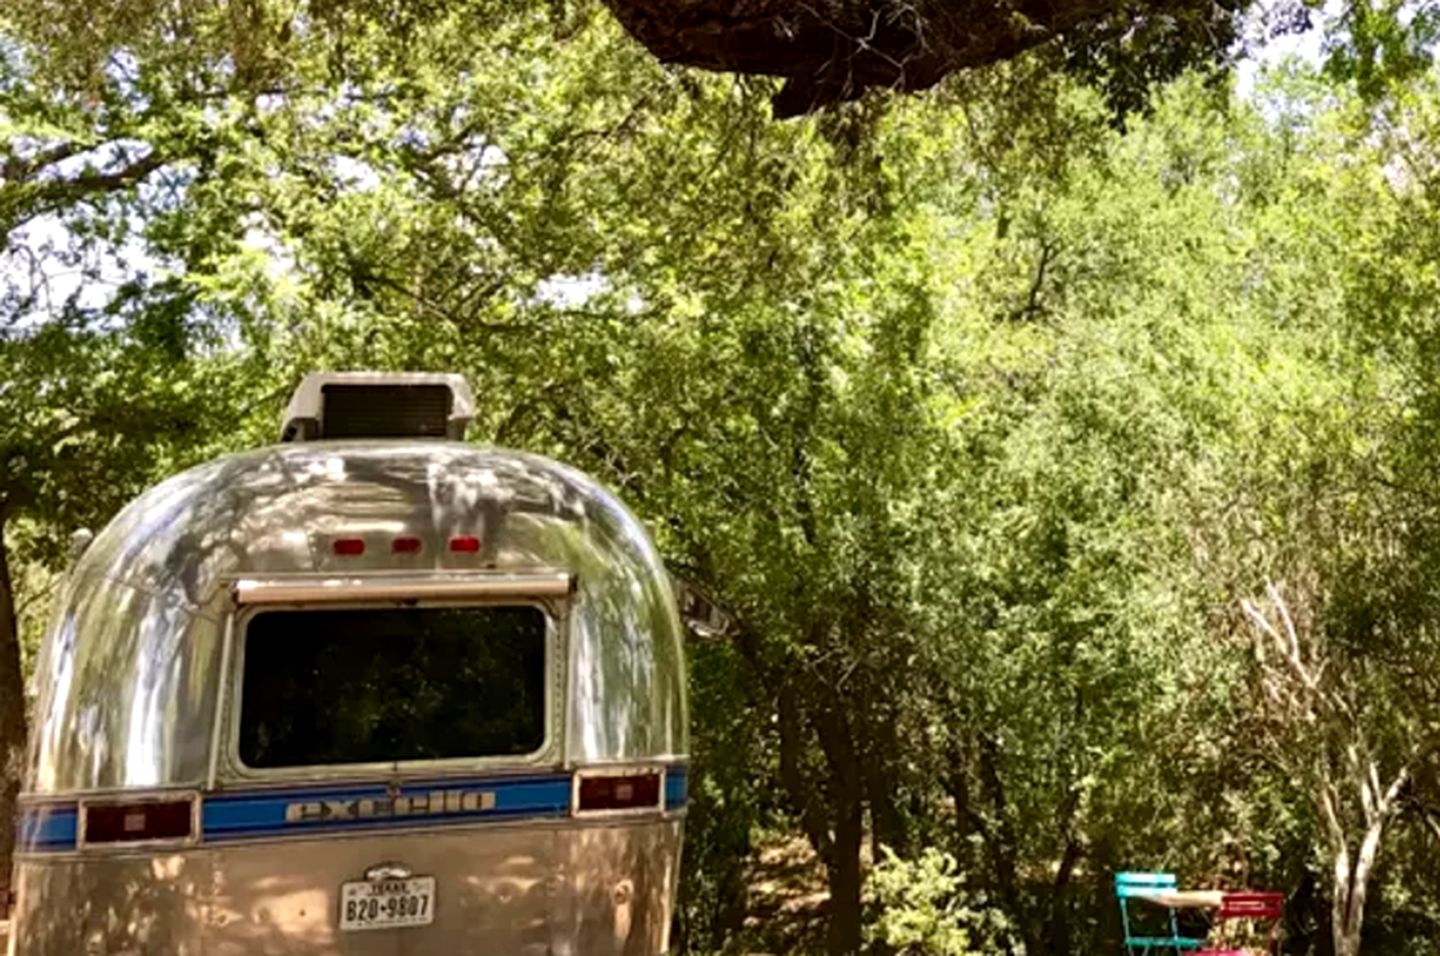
[1351, 885]
[882, 784]
[800, 790]
[1352, 875]
[845, 879]
[832, 813]
[1004, 847]
[1058, 927]
[847, 809]
[12, 718]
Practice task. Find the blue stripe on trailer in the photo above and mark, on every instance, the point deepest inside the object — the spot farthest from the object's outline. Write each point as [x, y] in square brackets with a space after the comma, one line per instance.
[237, 815]
[47, 827]
[676, 786]
[432, 822]
[267, 813]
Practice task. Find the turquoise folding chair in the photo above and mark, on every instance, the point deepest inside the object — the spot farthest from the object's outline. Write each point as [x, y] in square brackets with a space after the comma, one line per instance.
[1131, 885]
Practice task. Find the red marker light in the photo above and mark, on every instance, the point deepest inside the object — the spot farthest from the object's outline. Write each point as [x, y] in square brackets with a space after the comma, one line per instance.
[134, 822]
[465, 543]
[633, 791]
[348, 547]
[405, 545]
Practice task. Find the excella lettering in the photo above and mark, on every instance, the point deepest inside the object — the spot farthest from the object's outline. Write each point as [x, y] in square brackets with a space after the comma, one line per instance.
[404, 805]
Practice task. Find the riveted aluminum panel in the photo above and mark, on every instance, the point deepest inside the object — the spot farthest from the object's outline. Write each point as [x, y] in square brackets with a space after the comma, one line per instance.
[131, 700]
[128, 679]
[601, 889]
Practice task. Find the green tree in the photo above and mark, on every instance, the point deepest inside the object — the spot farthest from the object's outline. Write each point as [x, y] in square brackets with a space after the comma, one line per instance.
[89, 417]
[976, 413]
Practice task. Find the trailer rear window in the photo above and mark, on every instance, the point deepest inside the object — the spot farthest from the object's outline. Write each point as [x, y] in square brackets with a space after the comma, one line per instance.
[352, 686]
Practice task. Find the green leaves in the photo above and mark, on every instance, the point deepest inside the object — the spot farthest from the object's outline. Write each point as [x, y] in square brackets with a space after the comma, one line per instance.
[977, 415]
[1382, 44]
[924, 909]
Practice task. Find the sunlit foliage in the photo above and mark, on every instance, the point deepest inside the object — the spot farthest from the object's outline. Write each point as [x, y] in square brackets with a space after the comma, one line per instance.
[978, 414]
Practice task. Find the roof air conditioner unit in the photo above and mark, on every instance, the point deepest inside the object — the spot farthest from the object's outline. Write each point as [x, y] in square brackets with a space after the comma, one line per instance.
[378, 405]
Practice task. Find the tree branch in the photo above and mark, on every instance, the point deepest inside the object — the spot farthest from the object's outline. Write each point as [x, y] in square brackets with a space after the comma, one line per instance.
[831, 51]
[25, 201]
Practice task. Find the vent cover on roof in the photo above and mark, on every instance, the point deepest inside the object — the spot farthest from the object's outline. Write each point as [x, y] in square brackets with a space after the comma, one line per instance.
[378, 405]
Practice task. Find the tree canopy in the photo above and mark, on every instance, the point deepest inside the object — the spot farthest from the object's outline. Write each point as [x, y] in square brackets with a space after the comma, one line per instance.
[834, 51]
[1067, 484]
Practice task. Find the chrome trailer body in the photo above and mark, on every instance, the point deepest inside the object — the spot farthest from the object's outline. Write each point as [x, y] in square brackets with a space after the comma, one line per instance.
[138, 700]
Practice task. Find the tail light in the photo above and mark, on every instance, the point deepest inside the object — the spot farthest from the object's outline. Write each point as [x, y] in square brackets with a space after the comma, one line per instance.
[348, 547]
[465, 544]
[138, 822]
[619, 791]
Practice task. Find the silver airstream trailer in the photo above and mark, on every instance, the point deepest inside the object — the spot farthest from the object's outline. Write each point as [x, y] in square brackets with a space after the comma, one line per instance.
[368, 691]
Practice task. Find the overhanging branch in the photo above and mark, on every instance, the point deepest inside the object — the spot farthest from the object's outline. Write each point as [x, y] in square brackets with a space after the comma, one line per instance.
[830, 51]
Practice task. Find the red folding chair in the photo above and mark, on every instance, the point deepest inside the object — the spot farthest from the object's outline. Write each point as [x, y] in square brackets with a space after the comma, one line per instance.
[1256, 907]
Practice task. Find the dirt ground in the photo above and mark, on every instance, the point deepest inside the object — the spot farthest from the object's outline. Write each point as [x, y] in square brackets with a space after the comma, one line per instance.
[787, 898]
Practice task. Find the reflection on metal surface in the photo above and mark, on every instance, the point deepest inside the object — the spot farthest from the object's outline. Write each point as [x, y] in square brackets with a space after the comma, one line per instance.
[604, 890]
[128, 692]
[80, 539]
[352, 589]
[389, 871]
[125, 907]
[127, 695]
[133, 703]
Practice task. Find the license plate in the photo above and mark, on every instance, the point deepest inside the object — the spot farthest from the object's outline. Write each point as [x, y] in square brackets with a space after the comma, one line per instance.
[387, 904]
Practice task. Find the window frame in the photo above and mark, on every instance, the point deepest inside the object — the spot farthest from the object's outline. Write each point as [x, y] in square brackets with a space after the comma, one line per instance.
[556, 614]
